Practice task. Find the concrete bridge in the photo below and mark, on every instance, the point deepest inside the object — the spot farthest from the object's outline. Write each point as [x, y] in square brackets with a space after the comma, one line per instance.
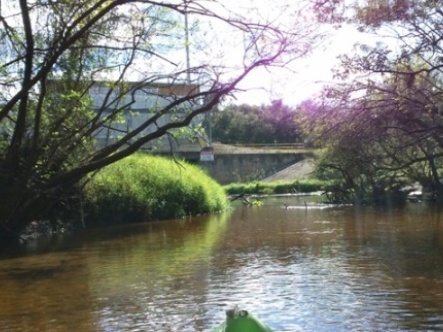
[227, 163]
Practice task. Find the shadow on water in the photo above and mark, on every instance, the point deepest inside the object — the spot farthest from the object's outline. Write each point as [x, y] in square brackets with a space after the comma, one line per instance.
[97, 277]
[36, 273]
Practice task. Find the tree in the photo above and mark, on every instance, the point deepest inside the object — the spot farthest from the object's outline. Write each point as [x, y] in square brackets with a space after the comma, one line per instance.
[248, 124]
[54, 53]
[388, 110]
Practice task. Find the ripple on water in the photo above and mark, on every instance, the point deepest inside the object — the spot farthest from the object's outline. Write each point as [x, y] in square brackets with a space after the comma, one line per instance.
[291, 268]
[312, 294]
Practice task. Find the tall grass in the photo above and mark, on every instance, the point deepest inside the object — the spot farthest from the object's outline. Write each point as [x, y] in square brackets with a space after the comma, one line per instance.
[279, 187]
[143, 187]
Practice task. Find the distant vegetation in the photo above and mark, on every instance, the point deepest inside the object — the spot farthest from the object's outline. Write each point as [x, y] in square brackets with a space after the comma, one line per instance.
[142, 187]
[280, 187]
[245, 124]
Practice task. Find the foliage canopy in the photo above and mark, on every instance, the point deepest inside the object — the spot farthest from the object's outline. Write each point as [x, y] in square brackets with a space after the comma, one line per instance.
[383, 125]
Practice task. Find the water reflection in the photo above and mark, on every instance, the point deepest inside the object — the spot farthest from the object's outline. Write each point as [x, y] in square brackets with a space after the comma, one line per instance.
[298, 269]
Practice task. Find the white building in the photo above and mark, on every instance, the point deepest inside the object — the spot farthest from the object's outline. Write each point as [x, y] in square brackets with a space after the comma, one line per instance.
[137, 104]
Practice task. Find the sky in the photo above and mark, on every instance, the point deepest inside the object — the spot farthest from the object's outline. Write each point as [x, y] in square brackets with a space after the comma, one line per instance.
[304, 77]
[300, 79]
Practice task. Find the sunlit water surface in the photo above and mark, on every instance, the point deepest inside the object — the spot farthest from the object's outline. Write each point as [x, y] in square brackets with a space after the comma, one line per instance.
[297, 267]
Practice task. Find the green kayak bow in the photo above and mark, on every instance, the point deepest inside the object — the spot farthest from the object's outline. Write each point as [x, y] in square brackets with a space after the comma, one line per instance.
[241, 321]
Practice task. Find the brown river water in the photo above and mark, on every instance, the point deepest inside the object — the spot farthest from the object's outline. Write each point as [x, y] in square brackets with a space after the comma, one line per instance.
[296, 267]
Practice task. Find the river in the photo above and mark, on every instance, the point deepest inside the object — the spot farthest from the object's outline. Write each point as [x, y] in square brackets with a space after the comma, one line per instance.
[296, 266]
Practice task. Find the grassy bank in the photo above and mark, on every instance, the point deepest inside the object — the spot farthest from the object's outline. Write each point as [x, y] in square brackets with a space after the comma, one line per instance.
[265, 188]
[143, 187]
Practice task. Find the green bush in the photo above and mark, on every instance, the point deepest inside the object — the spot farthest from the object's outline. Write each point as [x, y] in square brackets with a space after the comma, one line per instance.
[143, 187]
[266, 188]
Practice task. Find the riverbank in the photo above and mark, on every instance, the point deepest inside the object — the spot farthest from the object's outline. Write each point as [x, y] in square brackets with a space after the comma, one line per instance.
[139, 188]
[276, 188]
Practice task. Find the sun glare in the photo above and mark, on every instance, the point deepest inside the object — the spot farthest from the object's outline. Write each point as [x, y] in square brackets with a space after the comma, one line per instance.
[303, 78]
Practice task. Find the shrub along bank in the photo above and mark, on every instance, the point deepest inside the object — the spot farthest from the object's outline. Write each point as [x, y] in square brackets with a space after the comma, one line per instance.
[143, 187]
[280, 187]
